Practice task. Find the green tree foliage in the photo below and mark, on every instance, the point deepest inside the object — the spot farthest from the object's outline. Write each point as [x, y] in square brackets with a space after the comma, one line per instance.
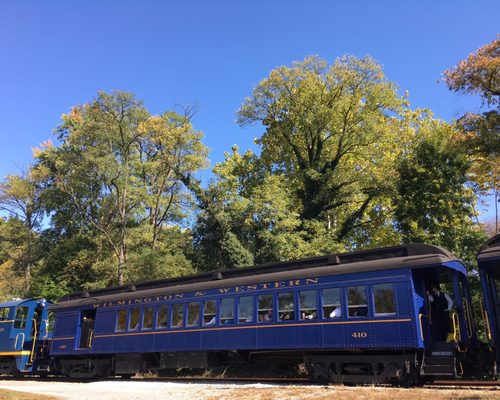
[253, 217]
[480, 74]
[329, 132]
[19, 253]
[21, 200]
[117, 169]
[434, 204]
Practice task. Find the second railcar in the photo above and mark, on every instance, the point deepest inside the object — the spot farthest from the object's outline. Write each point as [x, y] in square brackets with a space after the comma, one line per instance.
[355, 317]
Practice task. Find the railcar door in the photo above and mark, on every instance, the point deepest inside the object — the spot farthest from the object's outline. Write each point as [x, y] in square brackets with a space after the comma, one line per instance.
[438, 318]
[87, 322]
[491, 314]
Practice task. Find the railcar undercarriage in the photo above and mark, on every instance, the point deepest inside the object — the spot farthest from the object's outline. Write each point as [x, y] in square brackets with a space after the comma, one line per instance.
[402, 368]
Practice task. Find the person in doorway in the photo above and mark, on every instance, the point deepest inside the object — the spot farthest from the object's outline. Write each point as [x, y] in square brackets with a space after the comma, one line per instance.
[441, 306]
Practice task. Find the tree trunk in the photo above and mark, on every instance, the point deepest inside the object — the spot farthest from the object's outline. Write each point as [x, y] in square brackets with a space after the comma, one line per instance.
[27, 279]
[121, 264]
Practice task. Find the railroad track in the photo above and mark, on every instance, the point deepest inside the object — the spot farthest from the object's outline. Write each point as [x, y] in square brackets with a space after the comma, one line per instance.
[490, 385]
[438, 384]
[493, 385]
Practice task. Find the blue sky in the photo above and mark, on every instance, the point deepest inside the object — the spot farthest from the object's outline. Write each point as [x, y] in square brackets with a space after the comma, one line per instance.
[55, 54]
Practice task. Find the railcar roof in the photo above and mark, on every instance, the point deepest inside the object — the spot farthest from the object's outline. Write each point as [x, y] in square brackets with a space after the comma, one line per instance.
[490, 250]
[410, 255]
[15, 303]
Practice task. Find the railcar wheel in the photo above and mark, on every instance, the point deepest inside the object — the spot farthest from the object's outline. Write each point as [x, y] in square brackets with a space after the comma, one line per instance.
[320, 373]
[310, 371]
[410, 377]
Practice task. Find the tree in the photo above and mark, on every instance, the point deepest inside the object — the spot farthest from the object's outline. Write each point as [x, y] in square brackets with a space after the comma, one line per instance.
[329, 131]
[119, 168]
[480, 74]
[20, 198]
[19, 253]
[434, 204]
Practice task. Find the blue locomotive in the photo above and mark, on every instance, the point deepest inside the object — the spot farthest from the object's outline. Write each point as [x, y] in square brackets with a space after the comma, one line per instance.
[397, 314]
[25, 336]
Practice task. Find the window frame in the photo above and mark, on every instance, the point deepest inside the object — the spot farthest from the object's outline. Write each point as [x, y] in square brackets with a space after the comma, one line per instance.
[123, 310]
[157, 315]
[299, 305]
[138, 327]
[215, 315]
[21, 323]
[341, 303]
[273, 308]
[183, 315]
[197, 324]
[367, 300]
[143, 314]
[395, 302]
[284, 311]
[238, 306]
[233, 299]
[4, 315]
[50, 322]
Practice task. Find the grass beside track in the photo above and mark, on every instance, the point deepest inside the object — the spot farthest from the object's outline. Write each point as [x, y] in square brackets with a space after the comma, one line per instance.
[355, 393]
[14, 395]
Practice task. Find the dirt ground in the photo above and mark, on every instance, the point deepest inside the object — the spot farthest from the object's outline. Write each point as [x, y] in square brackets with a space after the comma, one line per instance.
[132, 390]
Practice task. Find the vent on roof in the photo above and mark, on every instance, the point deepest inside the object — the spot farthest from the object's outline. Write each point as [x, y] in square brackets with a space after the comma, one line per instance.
[216, 275]
[333, 259]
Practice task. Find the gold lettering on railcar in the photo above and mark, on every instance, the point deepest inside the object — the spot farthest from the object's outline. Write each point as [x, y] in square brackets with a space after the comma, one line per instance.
[224, 290]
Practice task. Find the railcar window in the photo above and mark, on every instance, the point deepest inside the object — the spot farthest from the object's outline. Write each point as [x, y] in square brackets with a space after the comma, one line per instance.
[121, 320]
[227, 311]
[162, 317]
[265, 308]
[147, 318]
[286, 306]
[308, 305]
[209, 312]
[246, 309]
[21, 317]
[133, 322]
[193, 317]
[384, 298]
[4, 313]
[51, 319]
[177, 315]
[331, 303]
[358, 306]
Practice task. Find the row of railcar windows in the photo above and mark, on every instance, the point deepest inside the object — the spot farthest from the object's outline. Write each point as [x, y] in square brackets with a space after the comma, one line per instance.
[241, 310]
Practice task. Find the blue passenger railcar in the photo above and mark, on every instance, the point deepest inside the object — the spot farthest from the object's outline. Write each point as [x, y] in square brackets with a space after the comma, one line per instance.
[25, 334]
[488, 260]
[354, 317]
